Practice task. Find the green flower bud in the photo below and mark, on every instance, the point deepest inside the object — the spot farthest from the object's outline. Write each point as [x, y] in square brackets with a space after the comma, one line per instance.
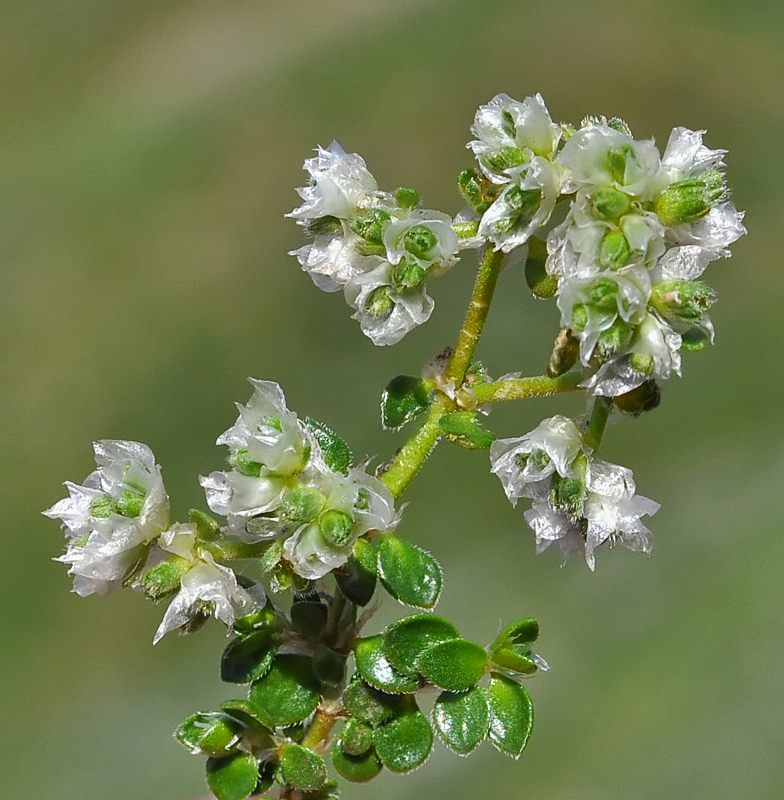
[579, 317]
[163, 580]
[525, 202]
[617, 124]
[101, 507]
[539, 281]
[129, 504]
[614, 339]
[370, 226]
[370, 249]
[682, 301]
[614, 250]
[324, 226]
[645, 397]
[609, 204]
[503, 158]
[336, 527]
[245, 465]
[420, 241]
[477, 190]
[603, 294]
[406, 197]
[568, 494]
[207, 528]
[689, 200]
[643, 363]
[256, 620]
[302, 505]
[566, 351]
[616, 161]
[379, 304]
[408, 274]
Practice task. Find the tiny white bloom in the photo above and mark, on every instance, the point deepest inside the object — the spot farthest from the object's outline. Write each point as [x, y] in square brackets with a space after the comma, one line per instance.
[330, 262]
[686, 156]
[426, 237]
[715, 232]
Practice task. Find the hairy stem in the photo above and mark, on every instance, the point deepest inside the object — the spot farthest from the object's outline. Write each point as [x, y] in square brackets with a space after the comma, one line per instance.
[522, 388]
[319, 729]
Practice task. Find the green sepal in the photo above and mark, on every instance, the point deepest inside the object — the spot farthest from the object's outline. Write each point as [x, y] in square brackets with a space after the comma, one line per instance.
[511, 715]
[357, 580]
[462, 720]
[524, 631]
[375, 668]
[302, 768]
[404, 398]
[404, 743]
[328, 666]
[516, 658]
[271, 557]
[248, 658]
[207, 528]
[454, 666]
[694, 339]
[288, 693]
[309, 618]
[336, 452]
[163, 580]
[539, 281]
[406, 639]
[357, 769]
[369, 705]
[234, 777]
[462, 428]
[409, 573]
[210, 733]
[357, 737]
[406, 197]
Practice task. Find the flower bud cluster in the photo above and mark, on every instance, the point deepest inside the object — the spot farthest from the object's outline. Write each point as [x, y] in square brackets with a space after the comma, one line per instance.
[379, 248]
[580, 501]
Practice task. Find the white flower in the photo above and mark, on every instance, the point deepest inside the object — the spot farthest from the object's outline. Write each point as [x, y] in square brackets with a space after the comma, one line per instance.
[340, 183]
[331, 263]
[234, 495]
[112, 519]
[385, 313]
[686, 156]
[611, 515]
[525, 464]
[355, 504]
[206, 588]
[426, 237]
[715, 232]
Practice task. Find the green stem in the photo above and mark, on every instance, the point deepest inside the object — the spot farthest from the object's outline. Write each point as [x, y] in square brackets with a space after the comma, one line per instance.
[319, 729]
[336, 612]
[598, 422]
[522, 388]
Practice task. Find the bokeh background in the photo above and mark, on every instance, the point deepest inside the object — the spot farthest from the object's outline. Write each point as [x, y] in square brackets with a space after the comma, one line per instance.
[148, 152]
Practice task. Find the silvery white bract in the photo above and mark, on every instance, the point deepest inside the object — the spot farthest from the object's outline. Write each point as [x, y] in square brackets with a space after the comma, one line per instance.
[611, 515]
[363, 499]
[112, 519]
[604, 298]
[402, 311]
[686, 156]
[525, 464]
[331, 263]
[206, 588]
[440, 236]
[340, 182]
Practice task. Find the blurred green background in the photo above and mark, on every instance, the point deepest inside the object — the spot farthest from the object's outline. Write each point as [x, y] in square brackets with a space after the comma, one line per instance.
[148, 152]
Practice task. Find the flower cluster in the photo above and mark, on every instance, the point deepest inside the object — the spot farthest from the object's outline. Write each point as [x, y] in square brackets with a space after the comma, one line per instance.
[379, 248]
[580, 501]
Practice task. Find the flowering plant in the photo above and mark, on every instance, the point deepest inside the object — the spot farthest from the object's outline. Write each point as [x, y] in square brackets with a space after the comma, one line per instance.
[619, 236]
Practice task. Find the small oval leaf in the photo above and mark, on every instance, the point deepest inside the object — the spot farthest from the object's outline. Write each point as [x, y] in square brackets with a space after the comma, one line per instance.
[309, 618]
[328, 666]
[405, 742]
[516, 658]
[358, 769]
[406, 639]
[539, 281]
[404, 398]
[511, 715]
[288, 693]
[524, 631]
[336, 452]
[455, 666]
[302, 768]
[234, 777]
[357, 580]
[462, 720]
[248, 658]
[357, 737]
[462, 428]
[374, 667]
[368, 704]
[408, 573]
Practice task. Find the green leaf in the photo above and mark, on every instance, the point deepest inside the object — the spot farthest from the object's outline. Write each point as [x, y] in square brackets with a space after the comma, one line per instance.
[328, 666]
[524, 631]
[309, 618]
[539, 281]
[357, 737]
[462, 428]
[288, 693]
[375, 668]
[405, 742]
[357, 580]
[336, 451]
[511, 715]
[462, 720]
[302, 768]
[455, 666]
[358, 769]
[368, 704]
[404, 398]
[408, 573]
[516, 658]
[248, 658]
[406, 639]
[266, 777]
[256, 620]
[234, 777]
[211, 733]
[248, 714]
